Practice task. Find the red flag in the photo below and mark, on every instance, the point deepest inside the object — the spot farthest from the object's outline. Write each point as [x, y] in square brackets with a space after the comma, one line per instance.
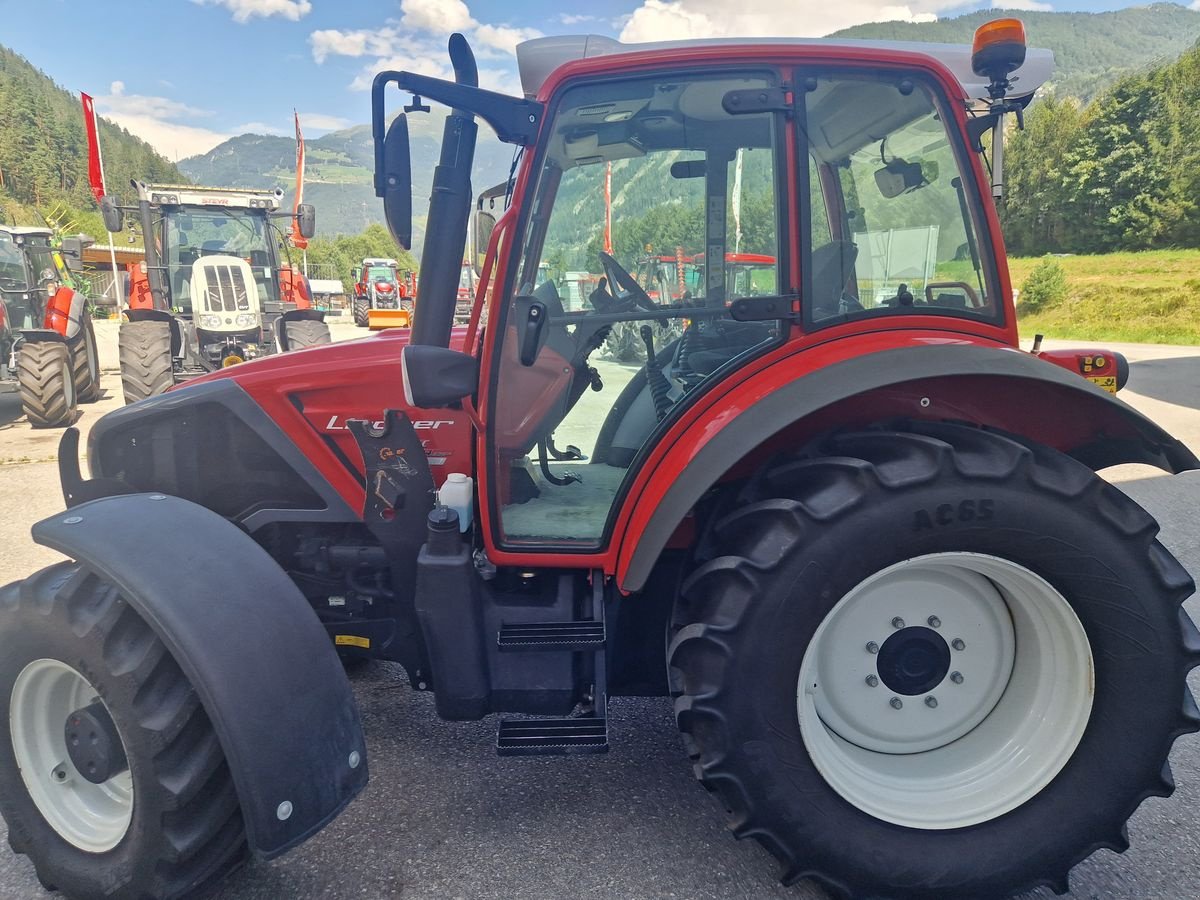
[95, 165]
[298, 239]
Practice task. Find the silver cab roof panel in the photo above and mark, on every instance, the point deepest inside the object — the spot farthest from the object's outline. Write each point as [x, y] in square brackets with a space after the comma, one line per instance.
[537, 58]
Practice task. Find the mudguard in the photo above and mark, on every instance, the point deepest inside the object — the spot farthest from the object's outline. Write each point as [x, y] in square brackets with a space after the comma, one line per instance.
[747, 427]
[250, 644]
[159, 315]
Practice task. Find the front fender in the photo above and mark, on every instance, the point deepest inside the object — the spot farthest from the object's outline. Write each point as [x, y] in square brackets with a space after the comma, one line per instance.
[247, 640]
[997, 387]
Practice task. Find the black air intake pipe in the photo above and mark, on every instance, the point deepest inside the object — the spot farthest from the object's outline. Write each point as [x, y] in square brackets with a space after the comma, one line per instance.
[449, 210]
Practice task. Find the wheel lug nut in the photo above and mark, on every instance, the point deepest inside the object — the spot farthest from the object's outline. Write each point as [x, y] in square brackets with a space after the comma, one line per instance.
[872, 681]
[897, 622]
[958, 644]
[896, 703]
[872, 647]
[931, 702]
[934, 622]
[956, 677]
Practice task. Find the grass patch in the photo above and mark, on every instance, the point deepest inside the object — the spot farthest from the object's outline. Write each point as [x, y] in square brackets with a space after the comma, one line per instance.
[1151, 297]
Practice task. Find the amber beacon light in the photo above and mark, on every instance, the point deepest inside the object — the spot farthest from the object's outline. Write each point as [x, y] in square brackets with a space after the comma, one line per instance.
[998, 49]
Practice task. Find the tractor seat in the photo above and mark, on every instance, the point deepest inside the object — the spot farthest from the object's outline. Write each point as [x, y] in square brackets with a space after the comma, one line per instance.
[832, 270]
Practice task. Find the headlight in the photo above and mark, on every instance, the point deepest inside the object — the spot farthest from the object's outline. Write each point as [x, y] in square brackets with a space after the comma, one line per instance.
[209, 321]
[246, 320]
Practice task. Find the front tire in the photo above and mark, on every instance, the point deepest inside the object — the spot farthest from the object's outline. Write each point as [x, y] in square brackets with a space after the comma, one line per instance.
[169, 821]
[306, 333]
[46, 381]
[147, 366]
[852, 768]
[362, 313]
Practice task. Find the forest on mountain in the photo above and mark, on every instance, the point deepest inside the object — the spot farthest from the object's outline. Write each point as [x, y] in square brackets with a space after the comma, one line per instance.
[1121, 173]
[43, 151]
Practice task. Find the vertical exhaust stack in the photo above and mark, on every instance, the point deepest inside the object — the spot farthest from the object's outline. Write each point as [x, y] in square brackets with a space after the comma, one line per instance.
[449, 209]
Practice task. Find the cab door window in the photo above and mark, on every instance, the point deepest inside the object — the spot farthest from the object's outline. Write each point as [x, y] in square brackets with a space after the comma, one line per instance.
[655, 208]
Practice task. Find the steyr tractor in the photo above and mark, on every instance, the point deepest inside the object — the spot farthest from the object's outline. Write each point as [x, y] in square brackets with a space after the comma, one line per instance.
[382, 298]
[47, 344]
[913, 641]
[212, 291]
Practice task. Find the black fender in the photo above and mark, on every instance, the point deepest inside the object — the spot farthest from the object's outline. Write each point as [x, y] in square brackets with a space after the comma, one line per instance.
[296, 315]
[159, 315]
[1143, 440]
[41, 336]
[250, 644]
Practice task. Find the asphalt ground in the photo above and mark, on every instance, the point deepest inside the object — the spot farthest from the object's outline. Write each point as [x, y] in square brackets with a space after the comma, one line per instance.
[443, 817]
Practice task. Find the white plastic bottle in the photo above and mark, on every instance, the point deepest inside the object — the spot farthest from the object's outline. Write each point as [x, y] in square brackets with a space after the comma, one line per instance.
[457, 492]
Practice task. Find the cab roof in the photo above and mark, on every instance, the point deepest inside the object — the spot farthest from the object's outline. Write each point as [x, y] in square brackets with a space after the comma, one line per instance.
[538, 58]
[16, 230]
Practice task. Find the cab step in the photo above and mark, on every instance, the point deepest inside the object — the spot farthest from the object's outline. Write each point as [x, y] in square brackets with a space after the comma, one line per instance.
[552, 737]
[585, 635]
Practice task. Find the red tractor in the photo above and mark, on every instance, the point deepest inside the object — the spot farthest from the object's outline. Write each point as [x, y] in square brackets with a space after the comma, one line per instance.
[916, 645]
[382, 297]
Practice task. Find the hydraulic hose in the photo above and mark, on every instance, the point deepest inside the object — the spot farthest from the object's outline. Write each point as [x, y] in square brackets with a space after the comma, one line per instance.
[659, 388]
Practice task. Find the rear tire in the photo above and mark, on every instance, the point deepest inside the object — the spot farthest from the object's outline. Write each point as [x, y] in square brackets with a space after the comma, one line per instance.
[46, 381]
[147, 366]
[362, 313]
[85, 360]
[181, 827]
[812, 534]
[306, 333]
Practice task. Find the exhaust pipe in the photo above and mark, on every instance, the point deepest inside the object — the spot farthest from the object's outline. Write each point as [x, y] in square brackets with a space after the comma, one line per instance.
[449, 210]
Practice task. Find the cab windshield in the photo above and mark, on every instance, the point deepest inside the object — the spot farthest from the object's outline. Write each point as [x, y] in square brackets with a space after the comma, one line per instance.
[381, 273]
[12, 266]
[195, 233]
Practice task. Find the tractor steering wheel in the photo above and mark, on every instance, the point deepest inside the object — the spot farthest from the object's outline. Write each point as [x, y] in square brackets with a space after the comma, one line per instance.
[625, 285]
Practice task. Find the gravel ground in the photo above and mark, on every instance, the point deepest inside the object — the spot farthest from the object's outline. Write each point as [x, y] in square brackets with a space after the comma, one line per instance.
[444, 817]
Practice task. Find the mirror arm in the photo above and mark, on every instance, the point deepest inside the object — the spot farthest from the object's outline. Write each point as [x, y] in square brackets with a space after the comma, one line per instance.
[515, 120]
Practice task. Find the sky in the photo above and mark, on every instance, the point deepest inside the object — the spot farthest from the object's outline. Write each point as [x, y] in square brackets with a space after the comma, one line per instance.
[186, 75]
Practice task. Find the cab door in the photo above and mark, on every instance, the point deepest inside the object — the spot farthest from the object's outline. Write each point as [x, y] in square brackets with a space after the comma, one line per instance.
[588, 369]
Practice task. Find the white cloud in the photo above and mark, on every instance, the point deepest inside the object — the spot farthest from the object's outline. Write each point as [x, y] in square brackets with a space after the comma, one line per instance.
[436, 15]
[569, 19]
[420, 37]
[660, 20]
[160, 122]
[322, 122]
[245, 10]
[259, 128]
[1037, 5]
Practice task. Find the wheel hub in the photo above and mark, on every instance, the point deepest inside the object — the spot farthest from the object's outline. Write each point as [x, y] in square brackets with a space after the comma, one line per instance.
[914, 661]
[93, 743]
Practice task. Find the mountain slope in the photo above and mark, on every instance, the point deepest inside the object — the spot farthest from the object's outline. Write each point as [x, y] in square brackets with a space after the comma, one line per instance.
[43, 147]
[1092, 50]
[338, 170]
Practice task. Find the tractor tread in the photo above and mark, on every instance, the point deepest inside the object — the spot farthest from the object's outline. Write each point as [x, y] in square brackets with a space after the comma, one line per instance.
[147, 366]
[306, 333]
[87, 381]
[47, 396]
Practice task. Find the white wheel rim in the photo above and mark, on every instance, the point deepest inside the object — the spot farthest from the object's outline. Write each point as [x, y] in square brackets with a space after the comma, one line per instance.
[93, 356]
[68, 378]
[92, 817]
[999, 724]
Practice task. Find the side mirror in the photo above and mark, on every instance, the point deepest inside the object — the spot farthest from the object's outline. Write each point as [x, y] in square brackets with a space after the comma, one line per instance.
[306, 220]
[485, 224]
[436, 377]
[394, 182]
[114, 218]
[73, 247]
[355, 273]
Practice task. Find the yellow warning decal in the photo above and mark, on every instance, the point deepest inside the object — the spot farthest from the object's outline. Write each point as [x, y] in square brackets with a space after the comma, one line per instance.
[1107, 382]
[352, 640]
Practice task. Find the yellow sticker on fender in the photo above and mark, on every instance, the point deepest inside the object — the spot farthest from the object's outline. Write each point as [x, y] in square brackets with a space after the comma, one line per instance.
[1107, 382]
[352, 640]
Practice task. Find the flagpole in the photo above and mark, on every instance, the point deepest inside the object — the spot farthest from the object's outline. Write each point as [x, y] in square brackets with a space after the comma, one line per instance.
[90, 107]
